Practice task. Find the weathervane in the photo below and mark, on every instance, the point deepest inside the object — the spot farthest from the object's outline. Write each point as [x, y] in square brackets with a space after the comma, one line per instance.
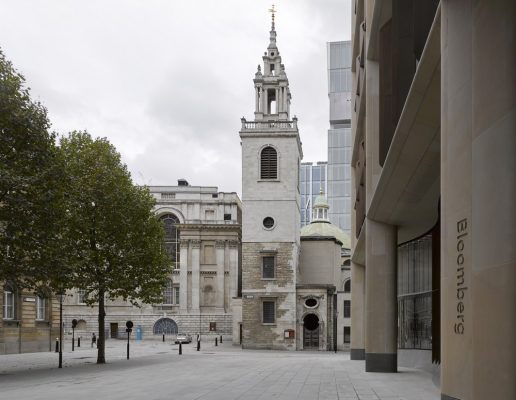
[272, 10]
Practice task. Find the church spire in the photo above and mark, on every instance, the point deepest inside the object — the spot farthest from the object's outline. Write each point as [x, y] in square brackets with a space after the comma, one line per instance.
[272, 44]
[271, 85]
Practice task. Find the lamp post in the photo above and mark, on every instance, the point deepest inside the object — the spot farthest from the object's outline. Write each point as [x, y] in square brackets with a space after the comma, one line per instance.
[74, 324]
[60, 297]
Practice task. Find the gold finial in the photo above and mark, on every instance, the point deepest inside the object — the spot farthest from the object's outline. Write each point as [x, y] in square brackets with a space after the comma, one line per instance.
[272, 10]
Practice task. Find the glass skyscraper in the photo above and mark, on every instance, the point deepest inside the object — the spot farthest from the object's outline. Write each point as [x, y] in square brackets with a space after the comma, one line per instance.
[313, 179]
[339, 134]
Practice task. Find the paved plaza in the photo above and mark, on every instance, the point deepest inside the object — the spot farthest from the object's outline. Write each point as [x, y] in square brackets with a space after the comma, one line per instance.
[156, 371]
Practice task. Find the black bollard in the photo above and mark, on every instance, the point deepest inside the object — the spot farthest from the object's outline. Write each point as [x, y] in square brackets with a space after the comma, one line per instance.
[57, 345]
[163, 338]
[198, 345]
[216, 343]
[79, 341]
[220, 339]
[180, 348]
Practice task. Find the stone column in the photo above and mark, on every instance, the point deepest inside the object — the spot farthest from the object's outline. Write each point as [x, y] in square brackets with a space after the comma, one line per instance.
[257, 99]
[277, 100]
[219, 248]
[196, 274]
[285, 99]
[478, 197]
[183, 275]
[264, 101]
[233, 269]
[357, 312]
[381, 303]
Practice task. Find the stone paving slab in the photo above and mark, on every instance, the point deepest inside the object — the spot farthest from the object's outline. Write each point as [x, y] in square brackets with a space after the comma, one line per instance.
[156, 371]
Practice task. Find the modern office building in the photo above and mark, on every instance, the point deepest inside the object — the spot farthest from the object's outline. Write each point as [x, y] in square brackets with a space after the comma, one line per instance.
[202, 238]
[434, 191]
[312, 180]
[339, 134]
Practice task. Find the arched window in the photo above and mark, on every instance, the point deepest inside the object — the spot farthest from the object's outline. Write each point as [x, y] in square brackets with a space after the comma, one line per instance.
[165, 325]
[269, 163]
[347, 286]
[171, 237]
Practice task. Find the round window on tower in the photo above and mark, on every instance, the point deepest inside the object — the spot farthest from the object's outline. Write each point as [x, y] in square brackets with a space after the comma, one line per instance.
[311, 303]
[268, 222]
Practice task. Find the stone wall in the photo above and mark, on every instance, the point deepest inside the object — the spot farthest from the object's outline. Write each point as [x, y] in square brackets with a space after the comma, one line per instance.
[282, 290]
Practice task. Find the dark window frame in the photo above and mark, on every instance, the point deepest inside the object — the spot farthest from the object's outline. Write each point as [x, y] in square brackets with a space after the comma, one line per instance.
[271, 268]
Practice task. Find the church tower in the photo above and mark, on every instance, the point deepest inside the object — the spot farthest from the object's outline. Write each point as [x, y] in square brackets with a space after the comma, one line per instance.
[271, 156]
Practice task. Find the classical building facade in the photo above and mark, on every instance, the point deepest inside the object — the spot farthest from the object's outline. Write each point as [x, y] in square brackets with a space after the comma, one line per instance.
[29, 322]
[434, 170]
[202, 238]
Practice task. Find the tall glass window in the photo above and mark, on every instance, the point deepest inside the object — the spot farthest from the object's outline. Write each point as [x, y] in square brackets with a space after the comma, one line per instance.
[171, 237]
[40, 308]
[8, 304]
[415, 294]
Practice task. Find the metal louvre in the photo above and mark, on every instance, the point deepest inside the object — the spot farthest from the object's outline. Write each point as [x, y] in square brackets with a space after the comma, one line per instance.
[269, 163]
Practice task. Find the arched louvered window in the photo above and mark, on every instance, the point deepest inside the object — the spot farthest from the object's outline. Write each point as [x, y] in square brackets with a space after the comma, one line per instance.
[269, 163]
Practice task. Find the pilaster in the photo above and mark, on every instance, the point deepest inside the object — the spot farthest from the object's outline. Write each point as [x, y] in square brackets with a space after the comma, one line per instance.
[183, 275]
[196, 254]
[220, 248]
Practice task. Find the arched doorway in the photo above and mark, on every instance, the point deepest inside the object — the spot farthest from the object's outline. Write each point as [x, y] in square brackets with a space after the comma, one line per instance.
[311, 332]
[165, 325]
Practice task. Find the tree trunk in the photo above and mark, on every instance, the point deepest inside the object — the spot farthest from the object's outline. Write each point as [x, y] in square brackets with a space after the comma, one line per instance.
[101, 352]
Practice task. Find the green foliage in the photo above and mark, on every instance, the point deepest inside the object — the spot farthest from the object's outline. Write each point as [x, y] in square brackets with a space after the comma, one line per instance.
[115, 238]
[31, 193]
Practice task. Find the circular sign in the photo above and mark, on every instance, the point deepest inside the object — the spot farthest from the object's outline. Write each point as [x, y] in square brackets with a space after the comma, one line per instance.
[129, 324]
[74, 323]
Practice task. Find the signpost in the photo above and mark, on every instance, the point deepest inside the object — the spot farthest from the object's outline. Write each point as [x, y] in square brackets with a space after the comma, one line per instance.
[74, 325]
[129, 326]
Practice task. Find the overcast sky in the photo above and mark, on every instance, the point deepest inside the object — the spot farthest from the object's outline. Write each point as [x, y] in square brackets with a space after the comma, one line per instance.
[167, 81]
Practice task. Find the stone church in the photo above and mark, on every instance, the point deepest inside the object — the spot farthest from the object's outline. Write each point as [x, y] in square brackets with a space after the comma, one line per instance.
[289, 277]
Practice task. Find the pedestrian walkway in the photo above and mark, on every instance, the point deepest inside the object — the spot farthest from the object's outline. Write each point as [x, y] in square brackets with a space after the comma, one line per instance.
[225, 372]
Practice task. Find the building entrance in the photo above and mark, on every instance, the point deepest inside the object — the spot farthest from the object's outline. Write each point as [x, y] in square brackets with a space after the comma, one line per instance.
[311, 332]
[114, 330]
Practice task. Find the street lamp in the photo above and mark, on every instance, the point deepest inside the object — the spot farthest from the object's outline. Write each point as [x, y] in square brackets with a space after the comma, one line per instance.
[60, 297]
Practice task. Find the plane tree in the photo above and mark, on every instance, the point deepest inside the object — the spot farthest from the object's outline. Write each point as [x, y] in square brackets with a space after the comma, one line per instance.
[31, 190]
[115, 239]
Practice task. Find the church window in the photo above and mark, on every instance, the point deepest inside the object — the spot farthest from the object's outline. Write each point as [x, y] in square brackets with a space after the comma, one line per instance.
[268, 222]
[269, 163]
[171, 237]
[311, 303]
[227, 217]
[269, 312]
[268, 267]
[347, 286]
[347, 334]
[347, 309]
